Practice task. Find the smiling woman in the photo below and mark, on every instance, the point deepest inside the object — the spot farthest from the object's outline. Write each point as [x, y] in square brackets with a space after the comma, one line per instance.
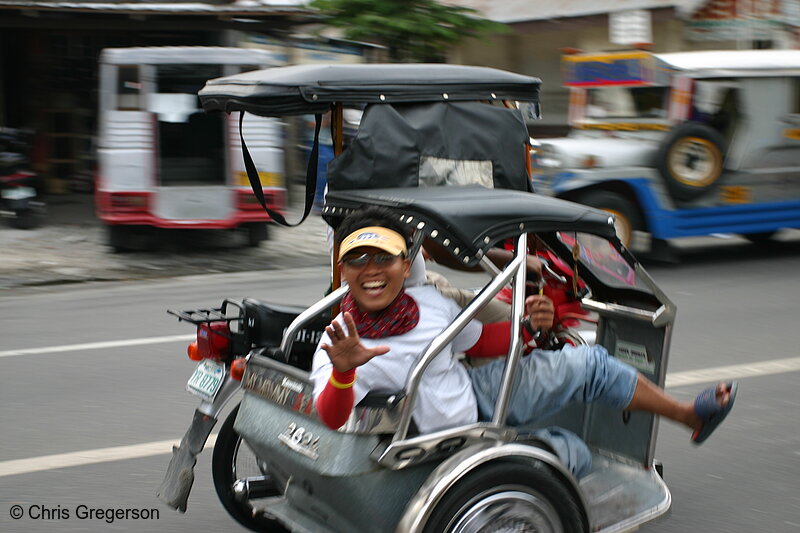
[373, 258]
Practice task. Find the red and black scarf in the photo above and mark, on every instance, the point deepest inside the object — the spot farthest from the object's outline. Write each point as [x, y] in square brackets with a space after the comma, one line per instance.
[401, 316]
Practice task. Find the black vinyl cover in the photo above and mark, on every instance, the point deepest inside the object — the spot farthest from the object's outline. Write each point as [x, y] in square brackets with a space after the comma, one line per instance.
[469, 220]
[433, 144]
[306, 89]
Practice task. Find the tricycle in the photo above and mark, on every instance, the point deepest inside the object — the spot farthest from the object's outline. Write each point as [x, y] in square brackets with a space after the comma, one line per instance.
[444, 148]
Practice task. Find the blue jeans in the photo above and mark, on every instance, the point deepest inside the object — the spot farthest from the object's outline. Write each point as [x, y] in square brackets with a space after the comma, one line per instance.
[546, 382]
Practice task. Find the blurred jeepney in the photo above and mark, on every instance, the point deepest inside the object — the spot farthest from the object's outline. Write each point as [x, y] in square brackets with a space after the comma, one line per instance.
[163, 162]
[681, 144]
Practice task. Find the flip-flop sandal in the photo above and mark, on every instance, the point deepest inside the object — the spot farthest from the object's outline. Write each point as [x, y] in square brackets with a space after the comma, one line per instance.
[712, 413]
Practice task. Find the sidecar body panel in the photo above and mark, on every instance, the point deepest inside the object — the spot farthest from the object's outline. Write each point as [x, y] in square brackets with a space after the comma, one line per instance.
[338, 487]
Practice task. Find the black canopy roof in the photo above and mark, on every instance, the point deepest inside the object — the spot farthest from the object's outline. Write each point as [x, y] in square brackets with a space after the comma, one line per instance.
[301, 89]
[470, 220]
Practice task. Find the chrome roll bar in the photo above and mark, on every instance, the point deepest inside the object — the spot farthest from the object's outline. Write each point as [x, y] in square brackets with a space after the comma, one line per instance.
[516, 268]
[515, 349]
[317, 308]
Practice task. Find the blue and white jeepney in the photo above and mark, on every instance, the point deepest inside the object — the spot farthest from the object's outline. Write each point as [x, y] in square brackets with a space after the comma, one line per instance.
[681, 144]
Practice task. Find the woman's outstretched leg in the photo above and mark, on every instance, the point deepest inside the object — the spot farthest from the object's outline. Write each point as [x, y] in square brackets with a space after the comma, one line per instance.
[651, 398]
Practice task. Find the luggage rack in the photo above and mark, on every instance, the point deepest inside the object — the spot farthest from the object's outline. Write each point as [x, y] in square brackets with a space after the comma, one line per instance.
[214, 314]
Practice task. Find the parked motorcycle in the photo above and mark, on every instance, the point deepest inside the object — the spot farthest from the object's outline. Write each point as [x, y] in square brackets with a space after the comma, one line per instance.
[19, 199]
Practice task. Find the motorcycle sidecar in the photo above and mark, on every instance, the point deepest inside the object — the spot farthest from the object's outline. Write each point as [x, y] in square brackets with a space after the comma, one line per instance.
[376, 474]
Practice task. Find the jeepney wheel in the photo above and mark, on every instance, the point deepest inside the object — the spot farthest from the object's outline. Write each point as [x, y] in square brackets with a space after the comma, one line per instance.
[760, 238]
[256, 232]
[690, 160]
[240, 476]
[508, 497]
[119, 238]
[626, 215]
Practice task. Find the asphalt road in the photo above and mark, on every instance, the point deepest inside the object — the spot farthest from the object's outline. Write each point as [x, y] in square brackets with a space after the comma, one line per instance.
[737, 305]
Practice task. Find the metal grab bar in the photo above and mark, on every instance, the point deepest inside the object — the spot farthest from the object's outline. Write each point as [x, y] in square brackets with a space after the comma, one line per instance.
[619, 310]
[301, 319]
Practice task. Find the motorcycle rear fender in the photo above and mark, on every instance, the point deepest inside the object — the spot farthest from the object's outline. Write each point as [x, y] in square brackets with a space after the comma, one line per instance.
[178, 480]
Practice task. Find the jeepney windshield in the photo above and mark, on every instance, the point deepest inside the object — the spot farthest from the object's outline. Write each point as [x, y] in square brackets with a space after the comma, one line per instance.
[626, 102]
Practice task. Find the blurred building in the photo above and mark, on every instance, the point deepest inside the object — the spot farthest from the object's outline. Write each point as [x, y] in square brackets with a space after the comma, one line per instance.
[540, 31]
[49, 54]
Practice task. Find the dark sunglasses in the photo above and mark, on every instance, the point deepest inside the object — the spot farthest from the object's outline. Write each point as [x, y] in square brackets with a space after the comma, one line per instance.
[379, 259]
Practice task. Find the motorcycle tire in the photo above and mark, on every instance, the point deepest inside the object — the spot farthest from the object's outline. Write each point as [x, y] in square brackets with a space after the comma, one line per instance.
[224, 463]
[25, 219]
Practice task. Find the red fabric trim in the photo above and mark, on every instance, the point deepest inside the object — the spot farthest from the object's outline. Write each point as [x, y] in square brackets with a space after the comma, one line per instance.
[334, 405]
[495, 340]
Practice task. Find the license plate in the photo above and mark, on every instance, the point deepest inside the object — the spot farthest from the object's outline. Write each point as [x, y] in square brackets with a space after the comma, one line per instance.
[206, 379]
[18, 193]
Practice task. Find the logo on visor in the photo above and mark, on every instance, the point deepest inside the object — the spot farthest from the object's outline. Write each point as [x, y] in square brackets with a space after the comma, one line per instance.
[368, 235]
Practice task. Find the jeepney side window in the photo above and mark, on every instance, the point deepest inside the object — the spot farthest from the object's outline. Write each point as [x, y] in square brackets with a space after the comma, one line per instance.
[710, 95]
[716, 103]
[129, 88]
[795, 109]
[627, 102]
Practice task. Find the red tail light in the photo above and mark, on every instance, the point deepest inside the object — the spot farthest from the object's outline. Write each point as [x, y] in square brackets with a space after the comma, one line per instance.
[213, 341]
[194, 355]
[237, 368]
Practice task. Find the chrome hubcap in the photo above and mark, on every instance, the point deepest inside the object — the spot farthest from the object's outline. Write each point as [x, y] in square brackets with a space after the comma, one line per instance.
[693, 162]
[509, 511]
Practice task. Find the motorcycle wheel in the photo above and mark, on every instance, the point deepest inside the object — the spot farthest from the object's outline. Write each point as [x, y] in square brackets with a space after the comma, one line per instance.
[234, 463]
[25, 219]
